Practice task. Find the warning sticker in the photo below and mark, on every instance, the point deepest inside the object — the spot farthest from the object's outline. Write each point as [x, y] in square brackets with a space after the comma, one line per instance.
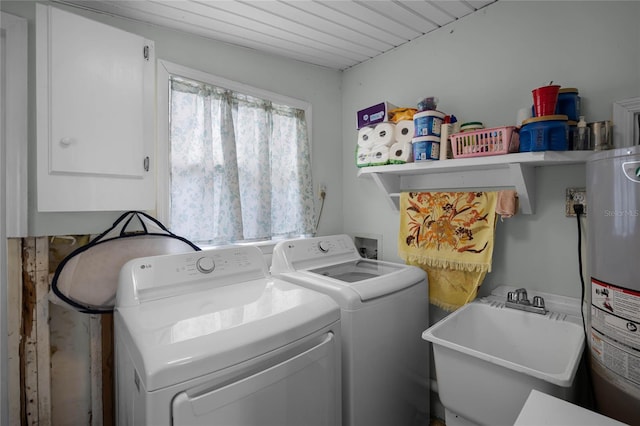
[615, 329]
[620, 301]
[617, 358]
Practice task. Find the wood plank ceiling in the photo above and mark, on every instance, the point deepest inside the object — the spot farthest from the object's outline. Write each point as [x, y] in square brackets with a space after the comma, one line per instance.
[336, 34]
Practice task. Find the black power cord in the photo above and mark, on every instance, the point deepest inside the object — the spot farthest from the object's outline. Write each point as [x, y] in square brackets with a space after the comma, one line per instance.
[579, 211]
[323, 195]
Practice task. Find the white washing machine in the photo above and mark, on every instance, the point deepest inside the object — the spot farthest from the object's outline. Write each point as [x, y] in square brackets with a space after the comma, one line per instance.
[384, 309]
[209, 338]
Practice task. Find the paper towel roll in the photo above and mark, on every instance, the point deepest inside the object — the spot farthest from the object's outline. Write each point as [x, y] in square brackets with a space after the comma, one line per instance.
[366, 137]
[400, 153]
[384, 134]
[404, 131]
[379, 155]
[363, 156]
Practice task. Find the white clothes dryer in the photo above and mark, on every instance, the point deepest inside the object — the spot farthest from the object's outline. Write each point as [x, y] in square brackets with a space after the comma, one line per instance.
[384, 309]
[209, 338]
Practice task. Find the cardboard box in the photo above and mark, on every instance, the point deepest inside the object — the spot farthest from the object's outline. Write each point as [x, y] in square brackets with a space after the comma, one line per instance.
[374, 114]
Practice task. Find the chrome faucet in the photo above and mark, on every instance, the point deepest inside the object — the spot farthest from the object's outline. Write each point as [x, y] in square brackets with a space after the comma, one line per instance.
[519, 300]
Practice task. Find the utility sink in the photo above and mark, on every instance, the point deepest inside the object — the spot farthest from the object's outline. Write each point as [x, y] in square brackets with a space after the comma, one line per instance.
[489, 357]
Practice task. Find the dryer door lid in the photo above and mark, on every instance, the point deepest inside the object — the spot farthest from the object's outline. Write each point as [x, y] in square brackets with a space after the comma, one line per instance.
[178, 339]
[312, 371]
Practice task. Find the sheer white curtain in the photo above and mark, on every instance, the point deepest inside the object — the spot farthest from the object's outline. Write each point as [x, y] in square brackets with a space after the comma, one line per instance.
[240, 166]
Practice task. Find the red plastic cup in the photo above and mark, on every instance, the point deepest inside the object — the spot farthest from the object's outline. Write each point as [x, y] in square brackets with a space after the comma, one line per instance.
[545, 99]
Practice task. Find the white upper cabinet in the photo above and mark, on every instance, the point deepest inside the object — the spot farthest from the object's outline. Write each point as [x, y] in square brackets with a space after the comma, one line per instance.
[95, 109]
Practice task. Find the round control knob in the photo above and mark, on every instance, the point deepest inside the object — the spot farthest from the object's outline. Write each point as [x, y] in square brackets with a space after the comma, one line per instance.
[323, 246]
[206, 265]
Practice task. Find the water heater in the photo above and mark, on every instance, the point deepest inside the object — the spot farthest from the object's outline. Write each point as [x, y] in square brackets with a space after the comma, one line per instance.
[613, 215]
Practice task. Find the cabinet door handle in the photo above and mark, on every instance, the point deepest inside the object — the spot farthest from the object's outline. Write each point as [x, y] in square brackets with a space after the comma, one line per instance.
[146, 163]
[65, 142]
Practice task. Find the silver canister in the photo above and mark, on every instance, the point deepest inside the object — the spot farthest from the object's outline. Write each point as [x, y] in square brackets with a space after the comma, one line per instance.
[601, 132]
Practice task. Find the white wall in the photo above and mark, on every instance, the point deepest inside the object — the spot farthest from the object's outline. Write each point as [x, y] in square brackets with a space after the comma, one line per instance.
[317, 85]
[483, 68]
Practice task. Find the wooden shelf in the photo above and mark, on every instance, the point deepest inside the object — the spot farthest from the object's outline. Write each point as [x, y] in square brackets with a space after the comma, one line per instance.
[509, 171]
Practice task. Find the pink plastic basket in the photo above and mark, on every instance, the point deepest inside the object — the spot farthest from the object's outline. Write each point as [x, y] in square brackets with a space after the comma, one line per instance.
[479, 143]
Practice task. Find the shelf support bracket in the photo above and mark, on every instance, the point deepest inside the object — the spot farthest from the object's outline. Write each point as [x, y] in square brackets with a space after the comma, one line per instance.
[523, 178]
[389, 184]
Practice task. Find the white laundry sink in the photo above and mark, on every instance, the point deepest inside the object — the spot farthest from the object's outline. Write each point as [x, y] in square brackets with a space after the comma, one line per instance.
[488, 358]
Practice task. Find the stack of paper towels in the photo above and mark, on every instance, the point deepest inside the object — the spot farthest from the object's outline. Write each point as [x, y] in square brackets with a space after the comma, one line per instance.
[385, 143]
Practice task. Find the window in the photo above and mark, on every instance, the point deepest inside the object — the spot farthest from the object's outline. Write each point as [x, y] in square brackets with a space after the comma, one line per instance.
[238, 161]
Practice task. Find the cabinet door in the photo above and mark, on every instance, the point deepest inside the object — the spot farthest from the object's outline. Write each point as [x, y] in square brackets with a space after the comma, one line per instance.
[95, 115]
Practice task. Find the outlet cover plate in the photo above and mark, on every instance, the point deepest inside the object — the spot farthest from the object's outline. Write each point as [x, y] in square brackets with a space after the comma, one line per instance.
[575, 196]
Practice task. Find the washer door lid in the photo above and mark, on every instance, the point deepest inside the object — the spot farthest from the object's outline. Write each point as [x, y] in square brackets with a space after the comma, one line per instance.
[388, 284]
[371, 278]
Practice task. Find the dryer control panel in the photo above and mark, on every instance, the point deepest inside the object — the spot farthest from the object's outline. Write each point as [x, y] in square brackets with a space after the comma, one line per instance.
[155, 277]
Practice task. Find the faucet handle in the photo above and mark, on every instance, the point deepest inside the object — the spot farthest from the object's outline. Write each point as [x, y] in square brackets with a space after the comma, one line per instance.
[521, 295]
[538, 302]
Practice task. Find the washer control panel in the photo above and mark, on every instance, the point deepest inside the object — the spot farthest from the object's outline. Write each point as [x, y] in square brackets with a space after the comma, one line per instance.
[306, 248]
[309, 252]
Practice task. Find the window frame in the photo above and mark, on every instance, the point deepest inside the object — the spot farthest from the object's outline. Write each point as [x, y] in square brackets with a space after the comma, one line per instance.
[168, 69]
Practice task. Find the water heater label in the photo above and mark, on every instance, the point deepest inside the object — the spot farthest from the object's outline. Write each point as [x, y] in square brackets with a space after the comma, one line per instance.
[615, 329]
[631, 170]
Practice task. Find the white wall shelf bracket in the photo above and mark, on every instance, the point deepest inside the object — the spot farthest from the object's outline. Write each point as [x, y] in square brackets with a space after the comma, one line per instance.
[523, 178]
[390, 185]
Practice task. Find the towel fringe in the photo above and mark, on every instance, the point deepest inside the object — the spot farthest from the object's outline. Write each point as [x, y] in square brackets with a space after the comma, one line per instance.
[447, 263]
[449, 307]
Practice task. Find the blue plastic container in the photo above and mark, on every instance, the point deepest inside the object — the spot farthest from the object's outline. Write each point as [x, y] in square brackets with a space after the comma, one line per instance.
[547, 133]
[428, 123]
[426, 148]
[568, 103]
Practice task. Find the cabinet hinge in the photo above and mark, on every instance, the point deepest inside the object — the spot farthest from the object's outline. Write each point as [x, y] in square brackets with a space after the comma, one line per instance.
[145, 53]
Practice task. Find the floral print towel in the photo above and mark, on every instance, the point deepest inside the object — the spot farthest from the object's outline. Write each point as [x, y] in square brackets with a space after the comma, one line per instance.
[450, 235]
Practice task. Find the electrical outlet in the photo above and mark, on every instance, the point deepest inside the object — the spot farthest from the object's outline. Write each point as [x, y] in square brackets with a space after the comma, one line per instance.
[322, 191]
[575, 196]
